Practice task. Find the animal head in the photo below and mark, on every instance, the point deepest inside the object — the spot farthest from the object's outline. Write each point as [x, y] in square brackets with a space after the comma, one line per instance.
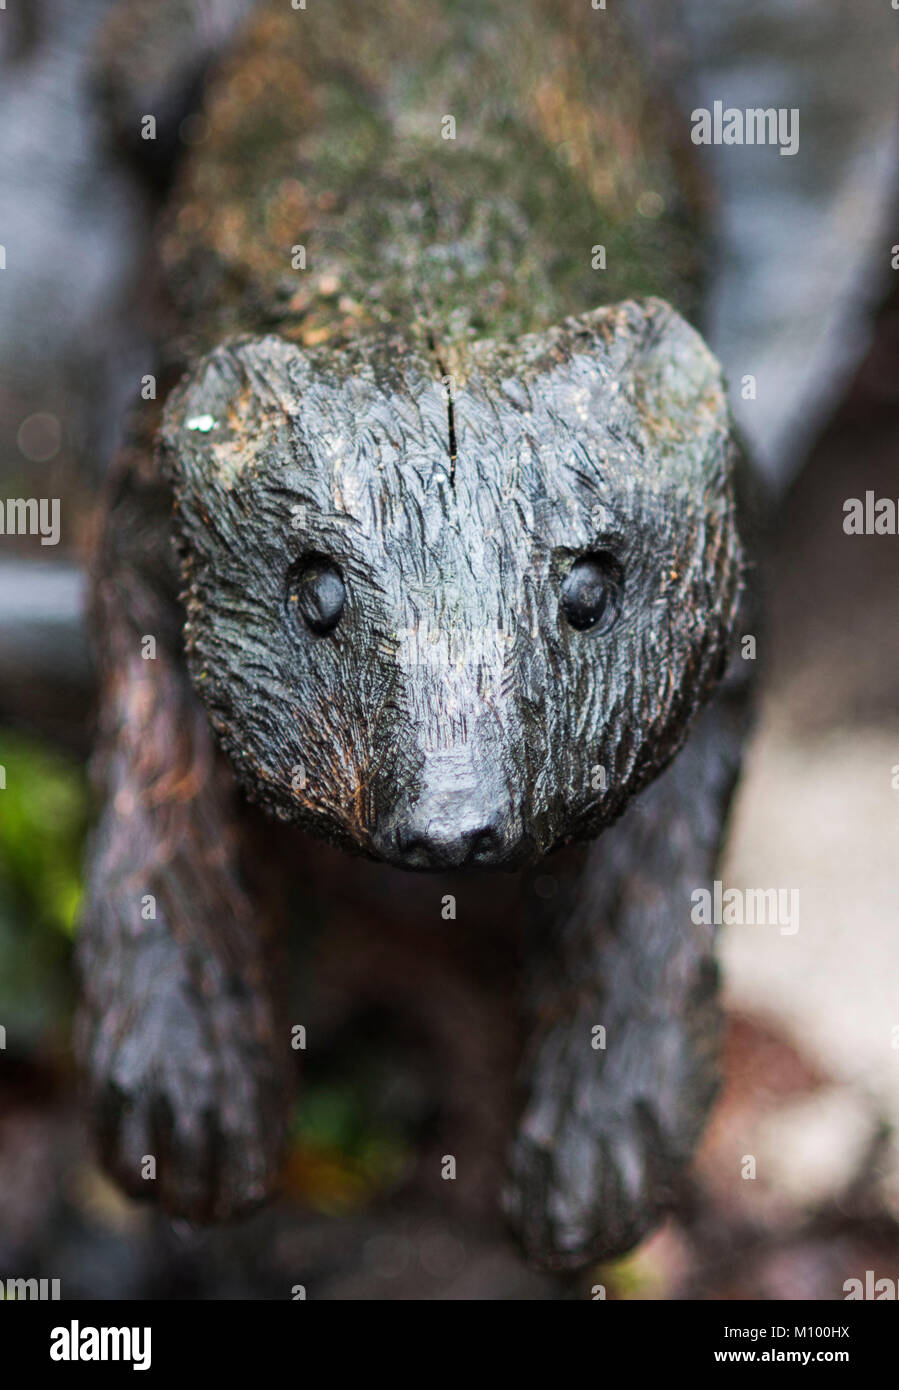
[457, 622]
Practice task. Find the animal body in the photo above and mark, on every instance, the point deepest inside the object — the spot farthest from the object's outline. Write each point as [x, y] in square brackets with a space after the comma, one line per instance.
[442, 564]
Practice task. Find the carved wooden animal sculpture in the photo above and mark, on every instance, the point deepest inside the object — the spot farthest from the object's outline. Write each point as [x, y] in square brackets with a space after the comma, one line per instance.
[457, 571]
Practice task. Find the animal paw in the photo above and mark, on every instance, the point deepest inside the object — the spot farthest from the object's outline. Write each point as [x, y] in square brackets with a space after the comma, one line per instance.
[602, 1144]
[186, 1095]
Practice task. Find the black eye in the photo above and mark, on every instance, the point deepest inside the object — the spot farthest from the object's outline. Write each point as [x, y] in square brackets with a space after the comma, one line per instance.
[315, 592]
[590, 592]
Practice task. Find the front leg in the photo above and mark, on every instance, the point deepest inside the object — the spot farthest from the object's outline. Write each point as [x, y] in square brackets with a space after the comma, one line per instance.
[178, 1032]
[611, 1118]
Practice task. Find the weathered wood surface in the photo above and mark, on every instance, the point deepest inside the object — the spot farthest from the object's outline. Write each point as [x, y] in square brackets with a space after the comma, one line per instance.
[379, 430]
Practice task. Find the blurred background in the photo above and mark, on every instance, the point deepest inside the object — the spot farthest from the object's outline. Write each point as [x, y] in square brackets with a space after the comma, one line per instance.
[803, 297]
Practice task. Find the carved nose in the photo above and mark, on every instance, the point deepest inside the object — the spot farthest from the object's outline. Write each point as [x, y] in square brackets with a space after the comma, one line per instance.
[454, 812]
[440, 842]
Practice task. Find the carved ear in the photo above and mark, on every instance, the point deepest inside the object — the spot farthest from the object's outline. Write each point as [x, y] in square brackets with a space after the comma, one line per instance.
[221, 419]
[262, 415]
[670, 398]
[633, 377]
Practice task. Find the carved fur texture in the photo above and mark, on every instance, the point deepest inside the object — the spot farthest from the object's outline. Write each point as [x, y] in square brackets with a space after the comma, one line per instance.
[445, 565]
[454, 659]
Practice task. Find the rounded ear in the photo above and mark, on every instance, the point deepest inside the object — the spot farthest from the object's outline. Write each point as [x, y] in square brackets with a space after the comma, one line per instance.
[675, 384]
[633, 373]
[223, 413]
[262, 411]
